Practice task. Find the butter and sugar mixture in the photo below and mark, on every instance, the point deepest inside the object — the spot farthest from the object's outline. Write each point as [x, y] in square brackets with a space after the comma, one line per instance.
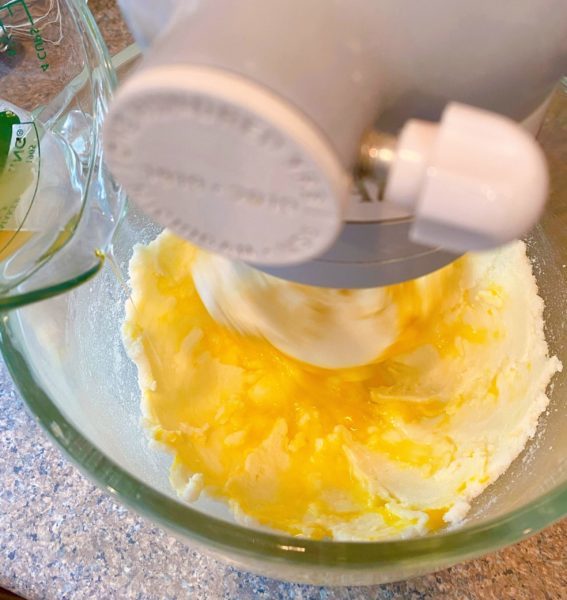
[435, 387]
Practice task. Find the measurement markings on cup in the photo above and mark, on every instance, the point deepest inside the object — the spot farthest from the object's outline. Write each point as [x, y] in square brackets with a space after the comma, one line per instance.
[9, 14]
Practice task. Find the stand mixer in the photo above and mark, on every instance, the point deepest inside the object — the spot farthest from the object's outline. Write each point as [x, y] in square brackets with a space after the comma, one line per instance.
[313, 144]
[336, 143]
[333, 144]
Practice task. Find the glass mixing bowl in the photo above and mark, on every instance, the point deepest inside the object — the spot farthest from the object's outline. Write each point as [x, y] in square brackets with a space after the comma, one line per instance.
[67, 358]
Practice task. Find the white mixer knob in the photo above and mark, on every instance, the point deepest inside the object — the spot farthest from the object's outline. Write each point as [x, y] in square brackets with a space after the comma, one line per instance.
[474, 181]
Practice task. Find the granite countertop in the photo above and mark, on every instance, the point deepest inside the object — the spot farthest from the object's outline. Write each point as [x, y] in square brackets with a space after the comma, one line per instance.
[62, 538]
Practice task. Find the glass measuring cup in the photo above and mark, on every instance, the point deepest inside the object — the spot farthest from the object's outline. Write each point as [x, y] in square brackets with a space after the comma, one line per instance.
[58, 207]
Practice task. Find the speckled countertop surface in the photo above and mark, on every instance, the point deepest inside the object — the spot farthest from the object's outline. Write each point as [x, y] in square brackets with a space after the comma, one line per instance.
[62, 538]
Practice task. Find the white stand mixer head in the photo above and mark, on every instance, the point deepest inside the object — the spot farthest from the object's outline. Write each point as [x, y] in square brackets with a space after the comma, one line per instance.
[243, 135]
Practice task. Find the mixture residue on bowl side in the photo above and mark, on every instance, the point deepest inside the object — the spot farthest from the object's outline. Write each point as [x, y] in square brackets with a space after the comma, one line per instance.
[392, 449]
